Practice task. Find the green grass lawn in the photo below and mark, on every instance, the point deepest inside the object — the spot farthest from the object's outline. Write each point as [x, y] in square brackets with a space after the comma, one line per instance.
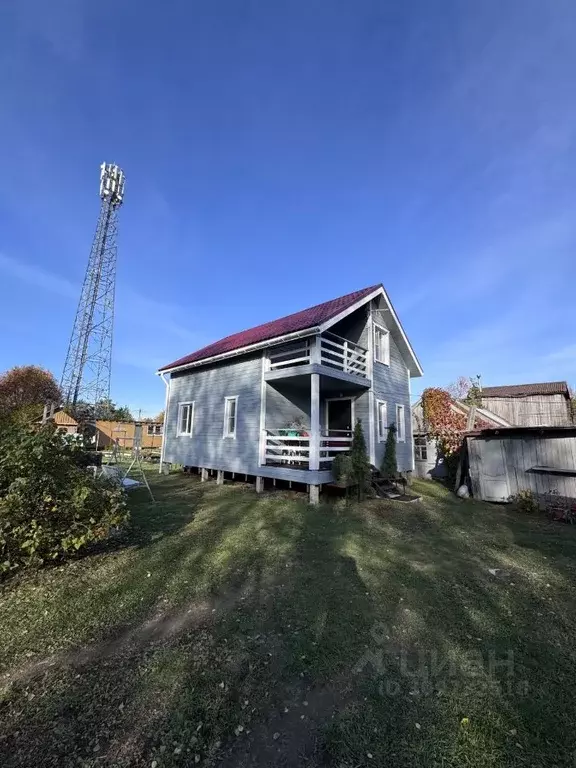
[228, 629]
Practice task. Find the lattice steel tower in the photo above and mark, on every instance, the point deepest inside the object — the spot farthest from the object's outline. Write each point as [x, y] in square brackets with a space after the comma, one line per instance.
[86, 374]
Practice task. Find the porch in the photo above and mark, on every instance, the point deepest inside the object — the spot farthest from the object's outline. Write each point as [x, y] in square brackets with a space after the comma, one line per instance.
[307, 420]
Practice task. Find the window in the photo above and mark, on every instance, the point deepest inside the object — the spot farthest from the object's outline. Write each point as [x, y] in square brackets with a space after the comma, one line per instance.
[185, 419]
[381, 345]
[382, 415]
[420, 448]
[400, 425]
[230, 408]
[154, 429]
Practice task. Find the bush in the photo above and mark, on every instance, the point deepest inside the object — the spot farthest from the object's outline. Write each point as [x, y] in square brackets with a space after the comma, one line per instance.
[50, 507]
[525, 501]
[342, 469]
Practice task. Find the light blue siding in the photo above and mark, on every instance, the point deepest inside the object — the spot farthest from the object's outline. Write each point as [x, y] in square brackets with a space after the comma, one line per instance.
[208, 387]
[390, 383]
[285, 405]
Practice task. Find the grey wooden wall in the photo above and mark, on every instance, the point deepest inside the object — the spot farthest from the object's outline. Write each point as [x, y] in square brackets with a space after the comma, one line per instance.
[208, 387]
[502, 466]
[533, 411]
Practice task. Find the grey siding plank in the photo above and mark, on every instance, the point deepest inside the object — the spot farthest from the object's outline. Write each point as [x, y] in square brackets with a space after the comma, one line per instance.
[208, 387]
[390, 383]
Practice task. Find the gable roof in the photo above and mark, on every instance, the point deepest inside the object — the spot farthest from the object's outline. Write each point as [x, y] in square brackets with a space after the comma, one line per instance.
[307, 320]
[458, 406]
[524, 390]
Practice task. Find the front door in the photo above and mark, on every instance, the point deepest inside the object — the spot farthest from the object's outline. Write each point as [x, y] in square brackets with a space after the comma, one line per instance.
[339, 417]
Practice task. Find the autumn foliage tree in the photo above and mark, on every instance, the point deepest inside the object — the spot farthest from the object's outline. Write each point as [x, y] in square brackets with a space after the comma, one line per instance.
[445, 423]
[25, 389]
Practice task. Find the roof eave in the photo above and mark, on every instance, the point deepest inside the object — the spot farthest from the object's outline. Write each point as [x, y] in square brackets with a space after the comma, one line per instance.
[240, 351]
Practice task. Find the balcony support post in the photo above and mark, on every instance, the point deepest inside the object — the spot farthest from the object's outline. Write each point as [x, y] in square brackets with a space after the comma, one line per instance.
[314, 455]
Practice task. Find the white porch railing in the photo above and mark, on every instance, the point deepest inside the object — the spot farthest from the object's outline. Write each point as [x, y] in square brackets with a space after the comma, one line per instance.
[333, 442]
[334, 351]
[283, 448]
[280, 448]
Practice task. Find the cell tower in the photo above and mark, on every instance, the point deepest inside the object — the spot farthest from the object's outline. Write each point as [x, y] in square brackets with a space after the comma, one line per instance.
[86, 374]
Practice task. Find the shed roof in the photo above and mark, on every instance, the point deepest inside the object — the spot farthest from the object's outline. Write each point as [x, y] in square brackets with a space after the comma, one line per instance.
[307, 319]
[525, 390]
[64, 419]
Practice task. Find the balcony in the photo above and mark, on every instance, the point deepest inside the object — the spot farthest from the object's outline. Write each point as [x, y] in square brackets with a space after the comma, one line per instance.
[327, 354]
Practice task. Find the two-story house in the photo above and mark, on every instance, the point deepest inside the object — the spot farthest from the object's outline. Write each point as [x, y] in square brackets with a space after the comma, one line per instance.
[281, 400]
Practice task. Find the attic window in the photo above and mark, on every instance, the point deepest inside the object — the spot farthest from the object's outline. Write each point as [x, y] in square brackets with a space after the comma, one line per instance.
[381, 345]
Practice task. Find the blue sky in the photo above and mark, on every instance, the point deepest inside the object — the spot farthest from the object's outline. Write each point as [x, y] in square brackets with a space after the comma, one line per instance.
[281, 154]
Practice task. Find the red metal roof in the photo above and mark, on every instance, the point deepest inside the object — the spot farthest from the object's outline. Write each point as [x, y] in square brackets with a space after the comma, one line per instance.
[524, 390]
[300, 321]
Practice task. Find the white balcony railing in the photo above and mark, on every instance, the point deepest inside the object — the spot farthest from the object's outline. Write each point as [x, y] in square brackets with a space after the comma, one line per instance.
[343, 354]
[335, 352]
[291, 354]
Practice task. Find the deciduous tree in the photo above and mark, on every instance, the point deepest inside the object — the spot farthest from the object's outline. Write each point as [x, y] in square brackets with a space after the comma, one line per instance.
[26, 389]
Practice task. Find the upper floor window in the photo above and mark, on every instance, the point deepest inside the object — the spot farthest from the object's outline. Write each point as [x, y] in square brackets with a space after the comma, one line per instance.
[230, 410]
[382, 414]
[185, 419]
[381, 345]
[400, 424]
[154, 429]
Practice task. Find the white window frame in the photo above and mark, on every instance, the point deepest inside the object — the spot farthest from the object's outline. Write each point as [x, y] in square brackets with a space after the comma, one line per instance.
[386, 332]
[420, 447]
[381, 434]
[181, 406]
[226, 434]
[400, 420]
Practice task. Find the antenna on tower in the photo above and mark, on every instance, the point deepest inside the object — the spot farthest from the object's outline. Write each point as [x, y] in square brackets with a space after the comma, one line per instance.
[86, 374]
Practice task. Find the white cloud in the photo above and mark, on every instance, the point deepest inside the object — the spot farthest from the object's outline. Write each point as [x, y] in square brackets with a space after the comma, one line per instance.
[564, 354]
[33, 275]
[133, 309]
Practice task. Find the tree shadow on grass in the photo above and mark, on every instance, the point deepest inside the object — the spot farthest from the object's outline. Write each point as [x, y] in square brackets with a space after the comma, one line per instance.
[267, 633]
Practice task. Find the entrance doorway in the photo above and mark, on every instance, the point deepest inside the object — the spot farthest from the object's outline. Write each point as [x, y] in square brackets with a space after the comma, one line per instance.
[339, 417]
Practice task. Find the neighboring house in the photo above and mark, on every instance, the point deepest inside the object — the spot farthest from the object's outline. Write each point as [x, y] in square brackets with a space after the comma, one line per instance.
[123, 432]
[531, 405]
[280, 400]
[65, 423]
[428, 462]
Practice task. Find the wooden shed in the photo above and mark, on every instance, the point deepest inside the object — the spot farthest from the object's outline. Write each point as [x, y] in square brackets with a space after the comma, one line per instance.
[505, 461]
